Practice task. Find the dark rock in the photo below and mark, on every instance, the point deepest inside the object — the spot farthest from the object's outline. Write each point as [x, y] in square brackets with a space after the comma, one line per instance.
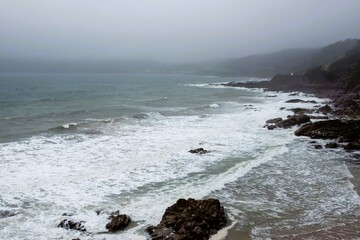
[318, 117]
[301, 110]
[293, 120]
[271, 127]
[312, 142]
[318, 146]
[352, 146]
[282, 108]
[274, 120]
[325, 109]
[346, 131]
[190, 219]
[293, 94]
[295, 101]
[331, 145]
[199, 151]
[69, 224]
[68, 214]
[271, 96]
[118, 221]
[311, 101]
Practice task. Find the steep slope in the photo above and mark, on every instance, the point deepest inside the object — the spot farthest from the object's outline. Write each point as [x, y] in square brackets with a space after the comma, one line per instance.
[286, 61]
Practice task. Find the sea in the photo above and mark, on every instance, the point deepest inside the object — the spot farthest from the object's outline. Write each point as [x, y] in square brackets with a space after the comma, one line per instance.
[84, 145]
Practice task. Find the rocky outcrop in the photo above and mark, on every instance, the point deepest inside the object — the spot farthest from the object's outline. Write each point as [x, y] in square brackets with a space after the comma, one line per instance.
[274, 120]
[325, 109]
[301, 110]
[296, 100]
[70, 224]
[118, 221]
[190, 219]
[348, 131]
[293, 120]
[331, 145]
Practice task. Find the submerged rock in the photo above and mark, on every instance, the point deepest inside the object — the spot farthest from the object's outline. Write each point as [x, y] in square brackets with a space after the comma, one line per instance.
[190, 219]
[69, 224]
[118, 221]
[7, 213]
[318, 146]
[199, 151]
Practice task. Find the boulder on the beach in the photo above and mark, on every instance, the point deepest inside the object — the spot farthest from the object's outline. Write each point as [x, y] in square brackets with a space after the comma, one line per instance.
[293, 120]
[199, 151]
[331, 129]
[325, 109]
[117, 221]
[190, 219]
[70, 224]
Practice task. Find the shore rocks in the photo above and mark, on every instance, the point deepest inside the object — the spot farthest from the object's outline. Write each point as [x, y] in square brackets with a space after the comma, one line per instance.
[353, 146]
[274, 120]
[198, 151]
[296, 100]
[118, 221]
[293, 120]
[325, 109]
[69, 224]
[190, 219]
[331, 145]
[318, 146]
[301, 110]
[345, 131]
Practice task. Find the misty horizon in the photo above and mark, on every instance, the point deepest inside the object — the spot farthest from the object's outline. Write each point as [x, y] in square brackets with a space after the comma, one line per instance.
[170, 32]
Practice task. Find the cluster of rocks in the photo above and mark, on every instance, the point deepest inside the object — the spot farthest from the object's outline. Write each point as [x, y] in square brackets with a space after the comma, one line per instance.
[346, 133]
[186, 219]
[117, 222]
[190, 219]
[291, 121]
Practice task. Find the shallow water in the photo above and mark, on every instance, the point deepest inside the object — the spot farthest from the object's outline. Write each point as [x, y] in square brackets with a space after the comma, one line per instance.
[108, 142]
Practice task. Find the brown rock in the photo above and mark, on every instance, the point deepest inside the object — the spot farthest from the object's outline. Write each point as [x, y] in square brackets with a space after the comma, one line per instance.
[118, 221]
[190, 219]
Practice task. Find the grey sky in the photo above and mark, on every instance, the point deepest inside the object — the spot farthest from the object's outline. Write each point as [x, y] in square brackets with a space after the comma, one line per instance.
[170, 30]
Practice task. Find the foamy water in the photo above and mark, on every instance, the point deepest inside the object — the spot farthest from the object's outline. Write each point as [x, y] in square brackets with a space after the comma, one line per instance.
[140, 164]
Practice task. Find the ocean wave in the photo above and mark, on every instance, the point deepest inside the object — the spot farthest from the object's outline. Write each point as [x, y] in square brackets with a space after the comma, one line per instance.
[149, 115]
[213, 105]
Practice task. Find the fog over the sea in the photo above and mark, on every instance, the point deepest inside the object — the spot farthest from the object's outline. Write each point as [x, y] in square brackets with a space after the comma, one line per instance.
[170, 30]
